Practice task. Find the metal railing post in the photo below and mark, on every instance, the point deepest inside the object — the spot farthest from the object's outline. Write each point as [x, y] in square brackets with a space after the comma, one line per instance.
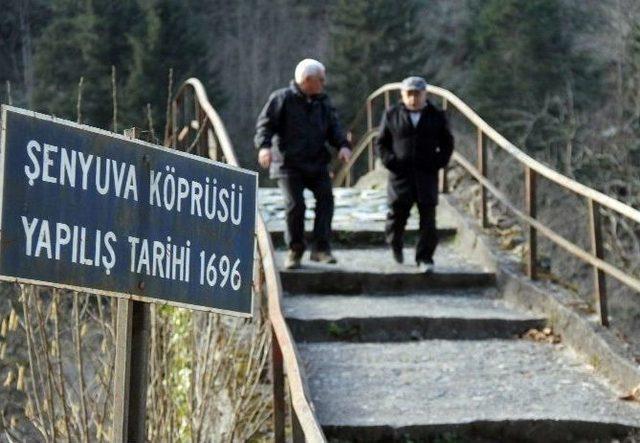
[297, 435]
[599, 281]
[530, 204]
[445, 170]
[369, 127]
[482, 167]
[277, 378]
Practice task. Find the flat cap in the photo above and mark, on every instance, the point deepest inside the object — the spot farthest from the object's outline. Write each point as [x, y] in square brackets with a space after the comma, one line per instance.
[414, 83]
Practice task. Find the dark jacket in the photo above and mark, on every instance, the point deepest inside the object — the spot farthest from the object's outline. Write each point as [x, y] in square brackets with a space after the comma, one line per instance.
[404, 149]
[414, 155]
[298, 128]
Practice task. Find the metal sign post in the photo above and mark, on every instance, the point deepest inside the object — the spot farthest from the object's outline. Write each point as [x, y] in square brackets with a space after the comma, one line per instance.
[132, 357]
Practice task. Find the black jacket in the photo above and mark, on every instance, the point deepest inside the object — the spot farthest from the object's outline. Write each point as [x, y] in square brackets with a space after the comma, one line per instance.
[404, 149]
[298, 128]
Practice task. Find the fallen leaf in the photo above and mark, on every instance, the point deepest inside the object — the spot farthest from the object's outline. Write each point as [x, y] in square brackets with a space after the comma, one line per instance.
[634, 395]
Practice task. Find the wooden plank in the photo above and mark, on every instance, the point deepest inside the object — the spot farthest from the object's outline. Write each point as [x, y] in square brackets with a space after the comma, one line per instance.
[530, 204]
[122, 371]
[482, 168]
[277, 379]
[132, 355]
[599, 281]
[139, 360]
[130, 382]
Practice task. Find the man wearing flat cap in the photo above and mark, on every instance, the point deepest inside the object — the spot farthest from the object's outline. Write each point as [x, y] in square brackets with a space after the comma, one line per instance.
[292, 134]
[414, 143]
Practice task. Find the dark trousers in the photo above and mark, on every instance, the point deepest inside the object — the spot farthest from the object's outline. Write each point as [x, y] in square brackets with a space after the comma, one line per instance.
[292, 186]
[402, 195]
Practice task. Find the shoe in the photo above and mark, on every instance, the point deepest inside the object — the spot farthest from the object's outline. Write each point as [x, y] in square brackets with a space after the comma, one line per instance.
[397, 254]
[323, 257]
[293, 259]
[428, 267]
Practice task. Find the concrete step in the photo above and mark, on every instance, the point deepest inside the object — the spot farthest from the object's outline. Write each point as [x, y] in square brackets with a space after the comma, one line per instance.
[320, 318]
[358, 218]
[370, 271]
[442, 390]
[328, 281]
[365, 235]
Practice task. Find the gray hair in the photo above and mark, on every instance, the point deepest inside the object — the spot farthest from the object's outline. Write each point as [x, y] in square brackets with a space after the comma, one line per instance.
[308, 68]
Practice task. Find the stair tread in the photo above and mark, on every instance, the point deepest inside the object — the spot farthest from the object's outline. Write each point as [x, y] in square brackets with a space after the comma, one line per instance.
[447, 258]
[355, 210]
[334, 307]
[443, 382]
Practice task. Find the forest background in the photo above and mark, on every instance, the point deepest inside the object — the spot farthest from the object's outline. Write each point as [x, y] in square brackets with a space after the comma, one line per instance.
[559, 78]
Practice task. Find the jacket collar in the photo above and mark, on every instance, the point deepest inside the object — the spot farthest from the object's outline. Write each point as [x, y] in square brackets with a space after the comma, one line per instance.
[293, 86]
[426, 108]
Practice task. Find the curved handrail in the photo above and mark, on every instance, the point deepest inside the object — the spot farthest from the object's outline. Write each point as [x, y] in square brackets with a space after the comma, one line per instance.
[523, 158]
[595, 198]
[299, 392]
[343, 174]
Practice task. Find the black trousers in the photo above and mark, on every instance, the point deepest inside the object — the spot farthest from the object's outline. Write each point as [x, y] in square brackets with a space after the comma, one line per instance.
[292, 186]
[402, 194]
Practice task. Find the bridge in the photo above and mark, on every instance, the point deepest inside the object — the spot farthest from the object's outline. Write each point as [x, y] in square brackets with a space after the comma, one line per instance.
[368, 350]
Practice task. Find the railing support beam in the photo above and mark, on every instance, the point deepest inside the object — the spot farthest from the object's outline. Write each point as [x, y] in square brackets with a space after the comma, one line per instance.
[599, 281]
[297, 435]
[445, 170]
[277, 378]
[482, 167]
[369, 127]
[531, 208]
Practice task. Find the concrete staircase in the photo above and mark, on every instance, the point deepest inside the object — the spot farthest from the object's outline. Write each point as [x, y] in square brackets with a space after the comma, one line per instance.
[392, 354]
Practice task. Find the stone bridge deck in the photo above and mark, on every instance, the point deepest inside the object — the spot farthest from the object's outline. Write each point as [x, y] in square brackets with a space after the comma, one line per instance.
[395, 355]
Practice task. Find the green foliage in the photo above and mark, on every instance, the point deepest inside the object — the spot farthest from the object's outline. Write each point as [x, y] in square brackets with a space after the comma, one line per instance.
[372, 42]
[142, 39]
[526, 78]
[83, 39]
[62, 56]
[521, 51]
[171, 38]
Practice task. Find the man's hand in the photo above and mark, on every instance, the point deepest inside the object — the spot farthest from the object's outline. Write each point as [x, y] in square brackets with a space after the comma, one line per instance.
[344, 154]
[264, 157]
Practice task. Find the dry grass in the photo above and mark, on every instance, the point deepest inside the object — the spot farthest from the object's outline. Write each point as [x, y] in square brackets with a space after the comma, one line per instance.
[206, 372]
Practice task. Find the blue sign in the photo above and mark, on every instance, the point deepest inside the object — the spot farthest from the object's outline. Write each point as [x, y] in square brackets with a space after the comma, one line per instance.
[89, 210]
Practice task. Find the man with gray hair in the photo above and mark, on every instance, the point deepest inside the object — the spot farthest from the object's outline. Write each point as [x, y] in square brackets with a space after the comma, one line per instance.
[292, 134]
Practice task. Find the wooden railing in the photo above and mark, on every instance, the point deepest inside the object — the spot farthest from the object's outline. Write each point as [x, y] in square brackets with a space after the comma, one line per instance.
[195, 126]
[532, 169]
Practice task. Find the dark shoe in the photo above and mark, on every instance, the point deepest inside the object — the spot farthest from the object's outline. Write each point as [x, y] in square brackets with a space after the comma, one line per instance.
[293, 259]
[398, 256]
[323, 257]
[426, 266]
